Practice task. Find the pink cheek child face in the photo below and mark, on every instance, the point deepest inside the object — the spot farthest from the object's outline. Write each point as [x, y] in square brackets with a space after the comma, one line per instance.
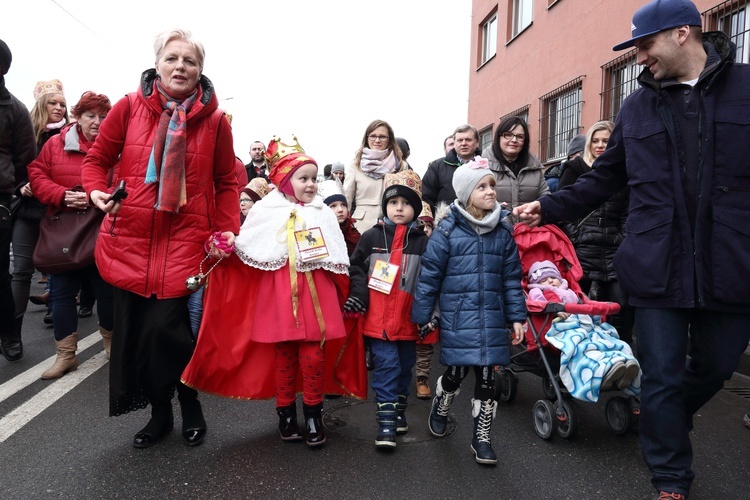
[340, 210]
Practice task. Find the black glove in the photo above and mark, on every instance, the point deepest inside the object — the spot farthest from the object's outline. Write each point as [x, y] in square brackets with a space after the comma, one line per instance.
[428, 327]
[354, 305]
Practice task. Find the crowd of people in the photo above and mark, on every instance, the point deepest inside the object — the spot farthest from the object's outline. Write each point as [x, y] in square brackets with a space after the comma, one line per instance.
[373, 266]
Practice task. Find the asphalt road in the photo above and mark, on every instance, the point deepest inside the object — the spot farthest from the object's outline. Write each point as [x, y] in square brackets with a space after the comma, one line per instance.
[56, 441]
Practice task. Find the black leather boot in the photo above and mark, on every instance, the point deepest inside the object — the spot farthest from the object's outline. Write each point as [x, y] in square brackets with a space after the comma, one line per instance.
[316, 435]
[288, 428]
[161, 423]
[10, 342]
[193, 423]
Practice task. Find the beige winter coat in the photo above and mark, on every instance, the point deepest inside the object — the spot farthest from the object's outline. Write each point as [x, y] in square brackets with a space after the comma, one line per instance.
[364, 194]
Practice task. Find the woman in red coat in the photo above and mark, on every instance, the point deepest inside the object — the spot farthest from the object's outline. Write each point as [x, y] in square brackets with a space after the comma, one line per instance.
[177, 158]
[55, 178]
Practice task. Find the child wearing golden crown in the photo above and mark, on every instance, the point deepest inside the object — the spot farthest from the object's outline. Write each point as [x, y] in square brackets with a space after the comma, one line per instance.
[384, 271]
[291, 248]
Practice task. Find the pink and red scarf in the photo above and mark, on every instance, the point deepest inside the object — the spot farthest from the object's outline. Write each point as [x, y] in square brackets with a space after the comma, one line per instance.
[166, 165]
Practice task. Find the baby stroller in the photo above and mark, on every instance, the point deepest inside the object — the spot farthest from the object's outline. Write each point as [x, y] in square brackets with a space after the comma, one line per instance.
[538, 356]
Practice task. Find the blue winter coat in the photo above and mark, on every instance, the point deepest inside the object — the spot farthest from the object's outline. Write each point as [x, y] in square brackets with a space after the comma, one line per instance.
[477, 281]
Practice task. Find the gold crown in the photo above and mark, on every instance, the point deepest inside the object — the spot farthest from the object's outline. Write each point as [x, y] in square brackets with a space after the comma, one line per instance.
[277, 150]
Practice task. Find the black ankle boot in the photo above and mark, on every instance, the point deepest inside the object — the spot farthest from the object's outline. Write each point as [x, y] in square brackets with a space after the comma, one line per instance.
[288, 428]
[193, 423]
[314, 419]
[10, 343]
[161, 423]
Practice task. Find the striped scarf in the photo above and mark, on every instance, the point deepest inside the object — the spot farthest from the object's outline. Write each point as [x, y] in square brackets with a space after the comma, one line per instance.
[166, 165]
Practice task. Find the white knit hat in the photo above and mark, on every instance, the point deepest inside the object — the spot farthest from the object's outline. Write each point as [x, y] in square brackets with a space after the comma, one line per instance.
[467, 176]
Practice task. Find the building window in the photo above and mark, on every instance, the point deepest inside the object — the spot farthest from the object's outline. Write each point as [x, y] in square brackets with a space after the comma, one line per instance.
[489, 39]
[560, 119]
[522, 113]
[619, 80]
[733, 18]
[485, 138]
[521, 12]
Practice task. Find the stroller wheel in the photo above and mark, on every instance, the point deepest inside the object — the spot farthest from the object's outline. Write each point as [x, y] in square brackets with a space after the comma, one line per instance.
[567, 423]
[548, 388]
[506, 385]
[619, 415]
[545, 419]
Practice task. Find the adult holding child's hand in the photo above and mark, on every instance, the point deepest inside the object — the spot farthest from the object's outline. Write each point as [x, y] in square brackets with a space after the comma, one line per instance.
[529, 213]
[176, 155]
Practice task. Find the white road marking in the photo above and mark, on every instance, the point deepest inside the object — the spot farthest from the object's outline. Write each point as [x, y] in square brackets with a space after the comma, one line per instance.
[16, 419]
[34, 373]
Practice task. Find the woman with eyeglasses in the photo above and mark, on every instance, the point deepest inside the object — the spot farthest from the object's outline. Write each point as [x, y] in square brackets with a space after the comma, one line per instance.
[519, 175]
[378, 155]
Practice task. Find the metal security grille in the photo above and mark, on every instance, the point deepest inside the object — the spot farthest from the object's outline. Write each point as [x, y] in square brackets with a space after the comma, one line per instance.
[619, 80]
[559, 119]
[522, 112]
[731, 17]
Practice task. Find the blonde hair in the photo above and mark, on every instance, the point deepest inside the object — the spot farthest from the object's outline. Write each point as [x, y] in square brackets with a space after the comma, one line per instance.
[40, 116]
[164, 38]
[588, 157]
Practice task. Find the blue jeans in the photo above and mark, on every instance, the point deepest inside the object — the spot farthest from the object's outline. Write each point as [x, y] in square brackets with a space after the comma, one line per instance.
[64, 289]
[393, 362]
[676, 382]
[195, 308]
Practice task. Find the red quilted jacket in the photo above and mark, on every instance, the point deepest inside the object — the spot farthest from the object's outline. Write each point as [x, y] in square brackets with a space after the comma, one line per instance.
[58, 167]
[151, 252]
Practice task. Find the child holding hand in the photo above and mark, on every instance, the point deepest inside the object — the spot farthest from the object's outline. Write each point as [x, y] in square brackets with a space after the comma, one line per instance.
[384, 270]
[472, 270]
[273, 309]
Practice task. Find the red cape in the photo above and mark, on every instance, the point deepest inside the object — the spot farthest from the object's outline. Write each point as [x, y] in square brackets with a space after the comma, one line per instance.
[227, 363]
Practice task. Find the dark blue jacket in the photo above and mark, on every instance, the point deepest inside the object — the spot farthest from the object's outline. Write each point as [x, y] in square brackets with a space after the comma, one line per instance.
[661, 263]
[477, 282]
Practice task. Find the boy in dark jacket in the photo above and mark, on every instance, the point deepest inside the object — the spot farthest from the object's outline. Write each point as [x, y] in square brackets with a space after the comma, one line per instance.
[332, 193]
[384, 271]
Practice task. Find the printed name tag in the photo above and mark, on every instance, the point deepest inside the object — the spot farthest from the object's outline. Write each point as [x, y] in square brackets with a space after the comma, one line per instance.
[383, 276]
[310, 244]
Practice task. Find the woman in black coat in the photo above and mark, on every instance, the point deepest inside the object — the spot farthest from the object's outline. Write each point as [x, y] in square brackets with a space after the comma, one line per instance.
[597, 236]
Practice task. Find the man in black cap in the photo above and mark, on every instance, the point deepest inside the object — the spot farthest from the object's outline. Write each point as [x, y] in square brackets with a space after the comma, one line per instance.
[682, 145]
[17, 150]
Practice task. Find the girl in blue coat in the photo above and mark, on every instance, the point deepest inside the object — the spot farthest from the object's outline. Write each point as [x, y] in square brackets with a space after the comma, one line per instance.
[470, 284]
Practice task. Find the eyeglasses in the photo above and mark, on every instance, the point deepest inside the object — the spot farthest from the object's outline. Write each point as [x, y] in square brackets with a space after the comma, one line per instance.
[377, 138]
[509, 136]
[245, 200]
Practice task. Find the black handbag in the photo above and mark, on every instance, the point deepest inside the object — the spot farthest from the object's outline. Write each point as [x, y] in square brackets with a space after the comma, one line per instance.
[67, 239]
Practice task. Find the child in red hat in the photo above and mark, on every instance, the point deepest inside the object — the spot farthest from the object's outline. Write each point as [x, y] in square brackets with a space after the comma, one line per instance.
[291, 248]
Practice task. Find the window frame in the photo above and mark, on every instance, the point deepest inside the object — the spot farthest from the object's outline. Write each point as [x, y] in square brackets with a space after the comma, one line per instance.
[619, 80]
[557, 127]
[487, 44]
[515, 21]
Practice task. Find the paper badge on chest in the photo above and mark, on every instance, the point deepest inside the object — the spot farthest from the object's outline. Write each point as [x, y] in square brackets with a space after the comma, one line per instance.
[310, 244]
[383, 276]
